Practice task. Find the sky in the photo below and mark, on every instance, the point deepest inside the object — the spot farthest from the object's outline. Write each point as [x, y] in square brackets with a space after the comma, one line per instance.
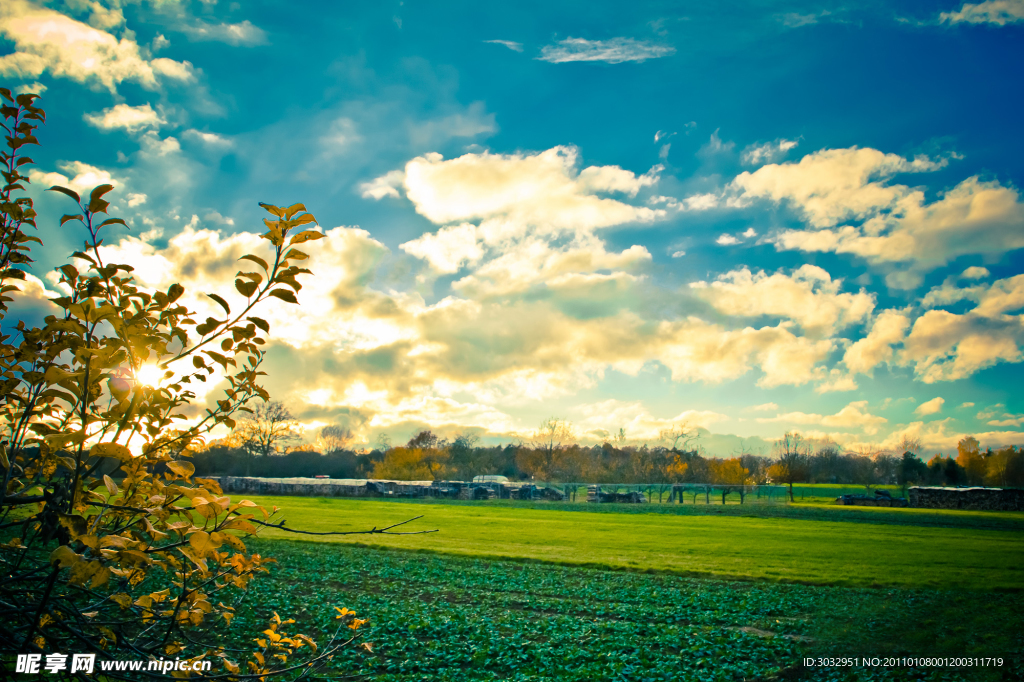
[745, 217]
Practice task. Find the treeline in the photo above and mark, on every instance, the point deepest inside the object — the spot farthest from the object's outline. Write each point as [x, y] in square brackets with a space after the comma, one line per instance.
[427, 457]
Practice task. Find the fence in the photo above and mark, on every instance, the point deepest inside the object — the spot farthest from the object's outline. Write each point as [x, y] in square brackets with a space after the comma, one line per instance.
[666, 493]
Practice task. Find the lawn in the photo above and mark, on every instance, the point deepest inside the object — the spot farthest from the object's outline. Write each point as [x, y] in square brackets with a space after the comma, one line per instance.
[931, 550]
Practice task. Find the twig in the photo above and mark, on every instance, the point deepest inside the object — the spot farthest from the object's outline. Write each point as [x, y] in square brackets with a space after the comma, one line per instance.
[372, 531]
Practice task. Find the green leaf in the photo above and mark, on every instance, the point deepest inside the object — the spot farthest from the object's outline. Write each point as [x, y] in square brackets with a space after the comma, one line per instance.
[270, 208]
[65, 190]
[222, 302]
[292, 210]
[295, 254]
[174, 292]
[257, 260]
[306, 236]
[247, 289]
[261, 323]
[284, 295]
[112, 221]
[68, 217]
[96, 202]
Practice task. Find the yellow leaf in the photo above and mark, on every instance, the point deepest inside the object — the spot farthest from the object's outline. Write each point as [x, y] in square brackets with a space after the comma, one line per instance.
[200, 541]
[183, 469]
[111, 486]
[122, 599]
[64, 556]
[240, 524]
[111, 450]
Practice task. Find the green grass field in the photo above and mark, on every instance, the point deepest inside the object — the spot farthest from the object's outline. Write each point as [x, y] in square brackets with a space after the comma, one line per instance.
[807, 544]
[439, 618]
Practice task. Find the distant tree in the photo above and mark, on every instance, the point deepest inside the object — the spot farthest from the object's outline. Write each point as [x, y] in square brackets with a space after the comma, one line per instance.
[403, 464]
[911, 470]
[269, 428]
[553, 433]
[1005, 468]
[463, 456]
[791, 464]
[971, 460]
[826, 462]
[908, 443]
[383, 442]
[334, 438]
[679, 436]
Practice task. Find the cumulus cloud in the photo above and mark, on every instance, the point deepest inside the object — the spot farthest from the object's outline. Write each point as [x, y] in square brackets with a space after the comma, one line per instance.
[854, 415]
[78, 176]
[131, 119]
[808, 296]
[897, 223]
[695, 350]
[614, 51]
[48, 41]
[541, 190]
[943, 346]
[727, 240]
[933, 406]
[769, 152]
[833, 185]
[385, 186]
[975, 272]
[999, 12]
[876, 348]
[600, 421]
[448, 249]
[246, 33]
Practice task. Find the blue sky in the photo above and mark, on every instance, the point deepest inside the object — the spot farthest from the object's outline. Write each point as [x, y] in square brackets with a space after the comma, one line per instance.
[745, 217]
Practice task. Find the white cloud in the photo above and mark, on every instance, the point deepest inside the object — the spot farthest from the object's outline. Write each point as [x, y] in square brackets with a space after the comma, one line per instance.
[136, 199]
[678, 254]
[701, 202]
[694, 350]
[45, 40]
[769, 152]
[808, 296]
[385, 186]
[975, 272]
[837, 382]
[245, 33]
[539, 190]
[943, 346]
[126, 117]
[36, 88]
[999, 12]
[750, 233]
[854, 415]
[727, 240]
[867, 353]
[898, 224]
[796, 20]
[764, 407]
[210, 140]
[83, 177]
[614, 51]
[933, 406]
[448, 249]
[962, 405]
[833, 185]
[599, 421]
[514, 46]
